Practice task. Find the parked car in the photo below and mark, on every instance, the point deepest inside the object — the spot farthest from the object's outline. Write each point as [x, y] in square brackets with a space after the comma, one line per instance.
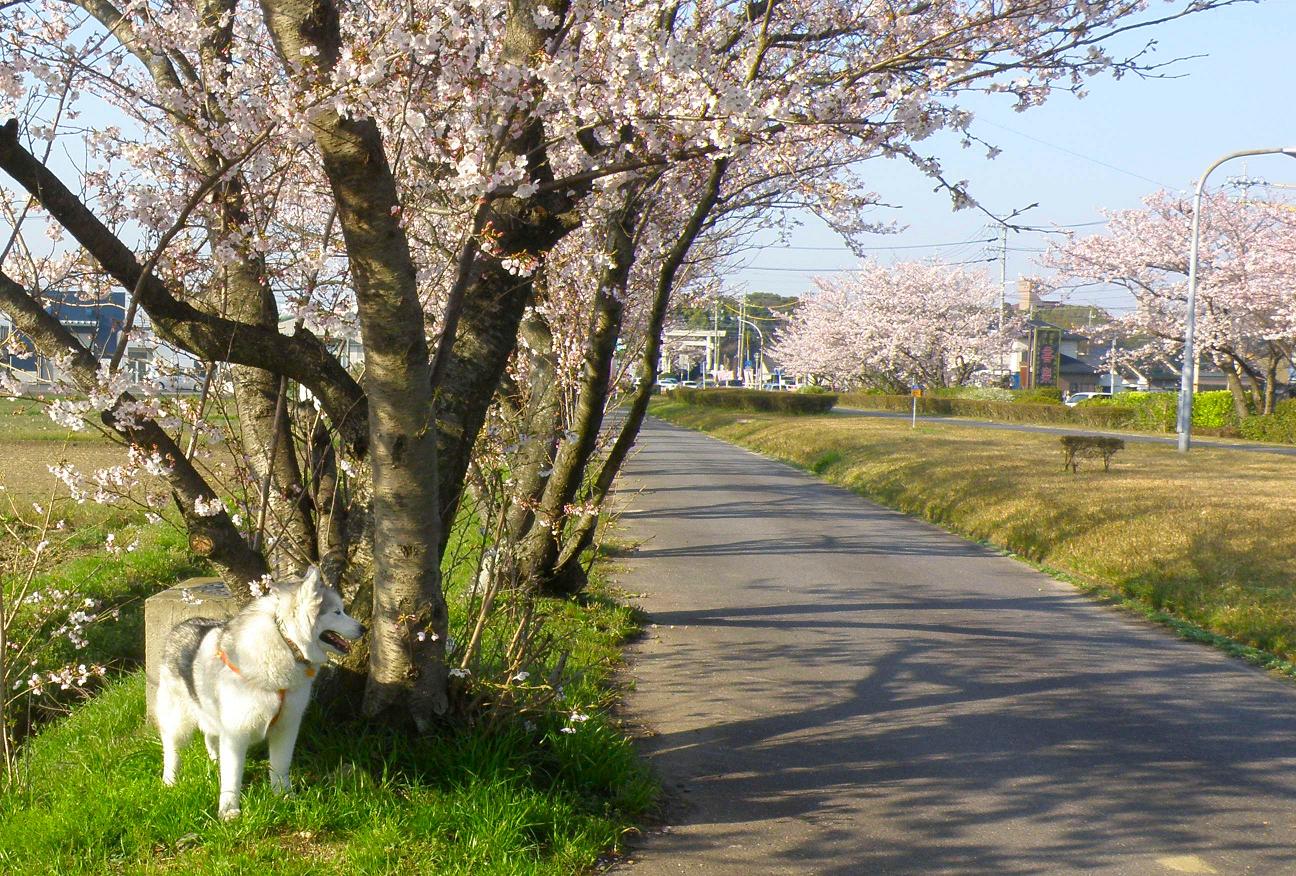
[1076, 397]
[665, 384]
[691, 384]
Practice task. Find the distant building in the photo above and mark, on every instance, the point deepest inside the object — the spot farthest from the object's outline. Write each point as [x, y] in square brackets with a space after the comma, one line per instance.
[345, 344]
[1076, 363]
[97, 324]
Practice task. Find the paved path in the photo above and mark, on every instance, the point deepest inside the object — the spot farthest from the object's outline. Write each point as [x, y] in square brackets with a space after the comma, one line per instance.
[1141, 438]
[838, 689]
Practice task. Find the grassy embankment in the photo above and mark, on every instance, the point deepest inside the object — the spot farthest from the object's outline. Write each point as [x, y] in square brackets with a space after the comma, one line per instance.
[518, 797]
[1202, 542]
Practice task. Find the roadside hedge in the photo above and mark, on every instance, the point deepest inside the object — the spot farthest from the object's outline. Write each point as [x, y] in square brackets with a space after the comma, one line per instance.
[1143, 411]
[757, 400]
[1214, 409]
[981, 393]
[995, 411]
[1134, 411]
[1044, 395]
[1278, 427]
[1159, 411]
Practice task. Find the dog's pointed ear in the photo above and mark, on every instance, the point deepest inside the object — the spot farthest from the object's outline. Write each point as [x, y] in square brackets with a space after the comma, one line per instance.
[309, 599]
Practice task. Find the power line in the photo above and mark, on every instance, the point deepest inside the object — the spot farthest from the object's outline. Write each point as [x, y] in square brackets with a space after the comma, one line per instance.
[1080, 155]
[1039, 229]
[803, 270]
[1069, 225]
[845, 248]
[808, 270]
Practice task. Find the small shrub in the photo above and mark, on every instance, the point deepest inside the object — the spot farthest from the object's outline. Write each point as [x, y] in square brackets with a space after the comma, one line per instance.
[757, 400]
[813, 389]
[1077, 447]
[825, 460]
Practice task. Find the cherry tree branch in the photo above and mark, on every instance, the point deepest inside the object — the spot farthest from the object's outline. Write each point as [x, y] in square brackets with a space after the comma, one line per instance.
[301, 357]
[215, 536]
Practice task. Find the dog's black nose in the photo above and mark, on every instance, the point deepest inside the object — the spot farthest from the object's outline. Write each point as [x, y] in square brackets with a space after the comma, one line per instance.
[363, 629]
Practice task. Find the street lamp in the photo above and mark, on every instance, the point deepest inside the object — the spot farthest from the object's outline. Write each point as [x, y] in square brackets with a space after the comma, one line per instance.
[1190, 329]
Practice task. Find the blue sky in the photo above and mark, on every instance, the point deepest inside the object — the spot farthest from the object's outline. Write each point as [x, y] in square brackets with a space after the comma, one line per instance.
[1076, 157]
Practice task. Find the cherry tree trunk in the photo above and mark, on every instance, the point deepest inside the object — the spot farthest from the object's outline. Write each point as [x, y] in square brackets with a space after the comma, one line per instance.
[537, 416]
[407, 671]
[567, 574]
[539, 551]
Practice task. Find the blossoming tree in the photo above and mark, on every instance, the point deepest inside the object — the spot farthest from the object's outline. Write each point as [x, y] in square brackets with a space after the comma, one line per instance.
[891, 327]
[1246, 304]
[259, 175]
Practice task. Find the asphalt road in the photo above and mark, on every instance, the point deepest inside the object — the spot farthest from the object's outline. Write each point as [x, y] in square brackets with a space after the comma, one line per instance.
[1213, 443]
[834, 688]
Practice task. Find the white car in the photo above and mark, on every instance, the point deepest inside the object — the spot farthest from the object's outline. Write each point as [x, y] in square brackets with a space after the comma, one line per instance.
[665, 384]
[1076, 397]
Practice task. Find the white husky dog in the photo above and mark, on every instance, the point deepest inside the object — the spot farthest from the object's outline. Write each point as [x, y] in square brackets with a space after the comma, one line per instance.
[249, 679]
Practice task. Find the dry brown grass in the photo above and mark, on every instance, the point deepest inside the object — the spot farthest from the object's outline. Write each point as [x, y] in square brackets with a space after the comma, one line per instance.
[1206, 537]
[24, 465]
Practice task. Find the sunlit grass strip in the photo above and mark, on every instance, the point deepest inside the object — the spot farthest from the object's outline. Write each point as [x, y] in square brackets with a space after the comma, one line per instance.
[543, 795]
[1203, 540]
[514, 800]
[26, 420]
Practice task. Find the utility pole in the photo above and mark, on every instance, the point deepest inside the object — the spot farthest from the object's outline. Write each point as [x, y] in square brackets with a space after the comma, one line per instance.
[715, 339]
[1112, 367]
[742, 338]
[1003, 274]
[1188, 373]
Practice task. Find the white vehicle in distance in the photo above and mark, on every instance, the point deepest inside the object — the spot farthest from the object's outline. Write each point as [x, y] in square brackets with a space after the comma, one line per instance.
[1076, 397]
[665, 384]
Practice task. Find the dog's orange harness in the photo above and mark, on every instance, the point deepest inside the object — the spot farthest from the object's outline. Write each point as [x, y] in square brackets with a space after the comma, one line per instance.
[283, 691]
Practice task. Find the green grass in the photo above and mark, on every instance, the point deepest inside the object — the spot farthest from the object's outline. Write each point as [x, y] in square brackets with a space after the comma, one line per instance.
[78, 562]
[507, 801]
[26, 420]
[505, 792]
[511, 796]
[1201, 540]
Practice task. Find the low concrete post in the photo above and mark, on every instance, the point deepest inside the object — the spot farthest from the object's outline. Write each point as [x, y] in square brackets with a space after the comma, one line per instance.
[194, 597]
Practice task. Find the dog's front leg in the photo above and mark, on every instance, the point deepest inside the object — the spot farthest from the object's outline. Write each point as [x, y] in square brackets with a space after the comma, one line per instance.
[282, 738]
[233, 753]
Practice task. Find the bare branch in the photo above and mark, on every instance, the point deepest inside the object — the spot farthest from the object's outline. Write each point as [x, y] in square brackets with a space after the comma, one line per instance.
[216, 536]
[302, 357]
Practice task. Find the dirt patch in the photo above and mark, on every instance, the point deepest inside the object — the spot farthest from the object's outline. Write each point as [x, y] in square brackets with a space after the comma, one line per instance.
[24, 465]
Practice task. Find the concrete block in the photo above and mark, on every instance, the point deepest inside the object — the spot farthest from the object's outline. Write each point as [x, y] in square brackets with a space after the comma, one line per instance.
[193, 597]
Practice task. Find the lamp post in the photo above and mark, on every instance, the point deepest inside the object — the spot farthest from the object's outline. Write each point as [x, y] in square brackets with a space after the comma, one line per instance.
[1189, 369]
